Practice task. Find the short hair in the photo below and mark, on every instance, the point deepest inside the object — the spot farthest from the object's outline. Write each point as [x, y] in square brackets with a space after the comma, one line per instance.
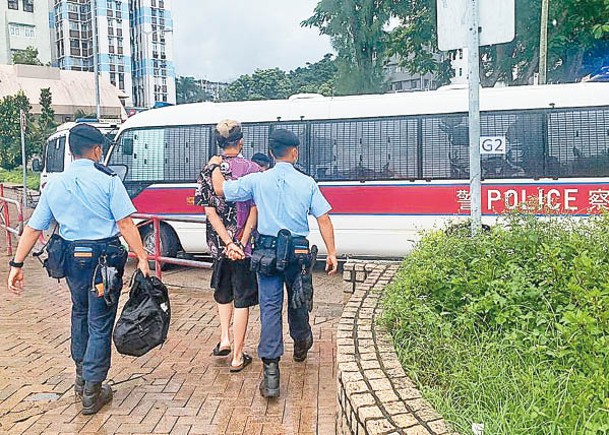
[261, 159]
[282, 141]
[83, 138]
[228, 132]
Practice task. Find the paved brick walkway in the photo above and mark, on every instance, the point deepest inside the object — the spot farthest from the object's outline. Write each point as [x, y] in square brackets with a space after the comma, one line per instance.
[179, 389]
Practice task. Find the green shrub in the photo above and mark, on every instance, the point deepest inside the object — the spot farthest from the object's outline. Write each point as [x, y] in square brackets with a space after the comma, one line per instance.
[509, 328]
[15, 176]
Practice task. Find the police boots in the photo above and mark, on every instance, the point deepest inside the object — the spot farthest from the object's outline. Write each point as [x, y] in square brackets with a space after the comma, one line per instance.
[79, 382]
[269, 387]
[301, 348]
[95, 396]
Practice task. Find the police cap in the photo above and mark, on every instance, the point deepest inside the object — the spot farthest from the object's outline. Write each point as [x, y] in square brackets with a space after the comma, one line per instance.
[283, 137]
[84, 137]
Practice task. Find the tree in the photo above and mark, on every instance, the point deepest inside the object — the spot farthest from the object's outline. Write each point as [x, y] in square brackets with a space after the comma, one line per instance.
[268, 84]
[575, 29]
[10, 129]
[355, 28]
[189, 91]
[316, 78]
[45, 125]
[29, 56]
[81, 114]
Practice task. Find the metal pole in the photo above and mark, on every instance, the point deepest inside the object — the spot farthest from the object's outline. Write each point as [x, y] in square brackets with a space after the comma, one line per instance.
[22, 125]
[95, 59]
[543, 42]
[473, 49]
[156, 225]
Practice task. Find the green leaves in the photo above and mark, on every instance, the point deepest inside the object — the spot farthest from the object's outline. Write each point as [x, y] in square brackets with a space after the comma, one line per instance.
[37, 130]
[526, 310]
[275, 84]
[574, 30]
[356, 29]
[29, 56]
[189, 91]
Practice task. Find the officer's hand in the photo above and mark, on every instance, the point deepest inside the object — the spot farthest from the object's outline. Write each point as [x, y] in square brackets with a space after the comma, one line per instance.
[331, 264]
[215, 160]
[142, 265]
[15, 280]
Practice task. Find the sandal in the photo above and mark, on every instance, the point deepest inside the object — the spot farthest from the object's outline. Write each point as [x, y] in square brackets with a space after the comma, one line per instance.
[220, 352]
[247, 360]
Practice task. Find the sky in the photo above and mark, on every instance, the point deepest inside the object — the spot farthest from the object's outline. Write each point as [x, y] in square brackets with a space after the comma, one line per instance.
[223, 39]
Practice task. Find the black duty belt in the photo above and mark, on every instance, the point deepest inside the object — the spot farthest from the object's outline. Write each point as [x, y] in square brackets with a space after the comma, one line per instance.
[270, 242]
[100, 242]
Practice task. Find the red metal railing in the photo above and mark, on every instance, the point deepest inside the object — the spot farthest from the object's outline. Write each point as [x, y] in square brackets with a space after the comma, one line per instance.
[5, 219]
[146, 219]
[158, 259]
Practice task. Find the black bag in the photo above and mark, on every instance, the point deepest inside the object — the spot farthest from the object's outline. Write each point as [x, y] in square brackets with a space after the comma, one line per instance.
[144, 322]
[56, 257]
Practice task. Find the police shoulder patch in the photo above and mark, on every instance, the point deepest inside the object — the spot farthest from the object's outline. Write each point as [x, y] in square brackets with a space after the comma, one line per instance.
[106, 170]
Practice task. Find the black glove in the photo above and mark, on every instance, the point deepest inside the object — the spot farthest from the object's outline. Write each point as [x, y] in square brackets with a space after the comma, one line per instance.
[302, 291]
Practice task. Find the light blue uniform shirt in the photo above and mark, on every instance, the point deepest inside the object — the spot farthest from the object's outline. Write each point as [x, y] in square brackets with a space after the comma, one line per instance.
[284, 198]
[85, 202]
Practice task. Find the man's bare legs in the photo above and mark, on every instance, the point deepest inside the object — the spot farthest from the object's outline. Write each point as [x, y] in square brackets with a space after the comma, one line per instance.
[239, 330]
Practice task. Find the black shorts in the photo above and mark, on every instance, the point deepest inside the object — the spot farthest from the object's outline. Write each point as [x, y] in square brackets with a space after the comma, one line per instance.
[234, 281]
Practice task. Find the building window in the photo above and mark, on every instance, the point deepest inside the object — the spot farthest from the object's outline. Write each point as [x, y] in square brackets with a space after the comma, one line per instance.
[460, 72]
[460, 53]
[13, 4]
[22, 30]
[28, 5]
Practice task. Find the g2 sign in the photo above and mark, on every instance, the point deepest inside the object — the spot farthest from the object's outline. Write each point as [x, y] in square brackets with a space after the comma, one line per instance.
[493, 145]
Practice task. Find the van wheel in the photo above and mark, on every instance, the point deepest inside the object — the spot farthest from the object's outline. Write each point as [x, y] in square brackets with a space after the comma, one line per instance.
[170, 245]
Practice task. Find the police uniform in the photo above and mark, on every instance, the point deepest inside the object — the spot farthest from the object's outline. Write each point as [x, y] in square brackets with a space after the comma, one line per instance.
[86, 201]
[284, 198]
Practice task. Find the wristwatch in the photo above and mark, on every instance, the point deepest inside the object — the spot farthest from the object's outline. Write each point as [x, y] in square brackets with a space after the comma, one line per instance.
[13, 263]
[213, 167]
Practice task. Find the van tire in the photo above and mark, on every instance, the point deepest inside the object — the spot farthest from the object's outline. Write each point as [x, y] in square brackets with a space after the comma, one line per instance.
[170, 245]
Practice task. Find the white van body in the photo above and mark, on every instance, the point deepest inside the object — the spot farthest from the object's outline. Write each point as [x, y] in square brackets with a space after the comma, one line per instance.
[56, 155]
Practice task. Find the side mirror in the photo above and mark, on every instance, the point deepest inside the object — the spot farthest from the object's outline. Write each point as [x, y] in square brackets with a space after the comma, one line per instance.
[36, 165]
[120, 170]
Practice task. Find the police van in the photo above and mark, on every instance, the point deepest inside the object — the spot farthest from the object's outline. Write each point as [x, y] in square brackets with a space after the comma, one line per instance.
[56, 156]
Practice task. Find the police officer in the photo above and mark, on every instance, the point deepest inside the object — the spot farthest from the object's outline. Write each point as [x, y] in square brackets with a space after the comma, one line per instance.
[284, 198]
[91, 206]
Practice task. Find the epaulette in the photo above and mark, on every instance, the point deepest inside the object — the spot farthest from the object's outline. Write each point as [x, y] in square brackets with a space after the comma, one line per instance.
[106, 170]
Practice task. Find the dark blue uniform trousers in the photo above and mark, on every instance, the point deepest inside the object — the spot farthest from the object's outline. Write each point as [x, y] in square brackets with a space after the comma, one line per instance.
[92, 321]
[270, 289]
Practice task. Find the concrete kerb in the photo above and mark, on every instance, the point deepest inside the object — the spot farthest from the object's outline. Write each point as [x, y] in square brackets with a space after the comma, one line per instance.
[374, 394]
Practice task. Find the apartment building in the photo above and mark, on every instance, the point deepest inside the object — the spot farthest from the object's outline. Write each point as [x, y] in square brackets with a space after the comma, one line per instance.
[23, 24]
[152, 48]
[135, 50]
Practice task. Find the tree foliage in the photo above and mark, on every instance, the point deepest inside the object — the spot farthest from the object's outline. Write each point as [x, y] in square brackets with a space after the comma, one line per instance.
[275, 84]
[10, 129]
[316, 78]
[29, 56]
[45, 125]
[576, 27]
[189, 91]
[268, 84]
[37, 130]
[356, 29]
